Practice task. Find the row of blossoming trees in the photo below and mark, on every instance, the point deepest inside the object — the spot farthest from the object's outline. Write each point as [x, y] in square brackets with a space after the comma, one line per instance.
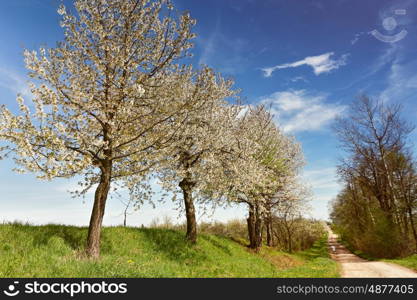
[115, 103]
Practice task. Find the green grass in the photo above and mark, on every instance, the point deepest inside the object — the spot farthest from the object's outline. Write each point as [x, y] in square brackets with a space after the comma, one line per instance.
[312, 263]
[409, 262]
[57, 251]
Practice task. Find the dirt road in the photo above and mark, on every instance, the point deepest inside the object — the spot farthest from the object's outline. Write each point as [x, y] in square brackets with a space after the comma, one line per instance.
[354, 266]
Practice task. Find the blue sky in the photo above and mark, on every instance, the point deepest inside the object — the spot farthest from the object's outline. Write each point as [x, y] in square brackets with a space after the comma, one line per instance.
[306, 59]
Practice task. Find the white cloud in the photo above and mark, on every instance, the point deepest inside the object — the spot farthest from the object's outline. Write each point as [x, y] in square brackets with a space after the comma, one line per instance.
[14, 82]
[325, 178]
[296, 110]
[298, 78]
[402, 82]
[399, 74]
[357, 37]
[228, 55]
[321, 64]
[387, 56]
[209, 45]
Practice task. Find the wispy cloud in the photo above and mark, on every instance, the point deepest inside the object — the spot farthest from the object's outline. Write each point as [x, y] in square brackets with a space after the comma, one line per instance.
[324, 178]
[378, 67]
[297, 110]
[321, 64]
[239, 6]
[298, 78]
[358, 36]
[401, 82]
[13, 81]
[398, 71]
[228, 55]
[209, 44]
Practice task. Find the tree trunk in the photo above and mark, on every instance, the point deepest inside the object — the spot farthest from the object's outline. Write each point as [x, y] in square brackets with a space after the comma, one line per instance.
[251, 227]
[289, 239]
[412, 225]
[255, 226]
[96, 220]
[269, 237]
[187, 188]
[278, 236]
[258, 231]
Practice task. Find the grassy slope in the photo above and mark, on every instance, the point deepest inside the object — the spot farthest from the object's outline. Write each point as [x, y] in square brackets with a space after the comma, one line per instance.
[56, 251]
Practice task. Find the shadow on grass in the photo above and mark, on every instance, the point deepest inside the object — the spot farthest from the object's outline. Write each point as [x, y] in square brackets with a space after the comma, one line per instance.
[216, 243]
[319, 249]
[172, 245]
[74, 237]
[169, 243]
[240, 241]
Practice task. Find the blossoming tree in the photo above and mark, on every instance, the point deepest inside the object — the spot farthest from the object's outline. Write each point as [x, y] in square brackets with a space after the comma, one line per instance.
[261, 160]
[104, 98]
[202, 144]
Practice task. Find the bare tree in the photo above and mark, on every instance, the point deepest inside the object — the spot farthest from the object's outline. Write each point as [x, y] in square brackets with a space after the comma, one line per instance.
[370, 133]
[287, 212]
[378, 173]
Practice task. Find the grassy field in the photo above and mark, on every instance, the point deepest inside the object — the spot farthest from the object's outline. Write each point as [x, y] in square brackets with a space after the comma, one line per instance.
[56, 251]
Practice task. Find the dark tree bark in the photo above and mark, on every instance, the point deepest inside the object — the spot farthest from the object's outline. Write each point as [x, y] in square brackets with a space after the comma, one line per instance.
[187, 186]
[255, 225]
[412, 225]
[279, 236]
[268, 225]
[258, 231]
[251, 226]
[289, 235]
[96, 220]
[269, 240]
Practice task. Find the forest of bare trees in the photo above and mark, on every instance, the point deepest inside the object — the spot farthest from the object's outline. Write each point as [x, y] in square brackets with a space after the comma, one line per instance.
[376, 212]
